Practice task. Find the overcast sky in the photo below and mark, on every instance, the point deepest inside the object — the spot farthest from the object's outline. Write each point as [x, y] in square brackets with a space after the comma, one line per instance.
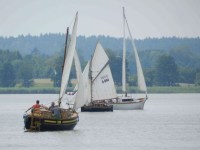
[146, 18]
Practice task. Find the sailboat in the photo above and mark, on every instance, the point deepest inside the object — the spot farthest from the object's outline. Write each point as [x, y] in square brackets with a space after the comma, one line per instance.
[97, 83]
[66, 118]
[127, 102]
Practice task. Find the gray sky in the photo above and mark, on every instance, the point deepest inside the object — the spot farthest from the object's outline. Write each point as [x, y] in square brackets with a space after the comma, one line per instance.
[146, 18]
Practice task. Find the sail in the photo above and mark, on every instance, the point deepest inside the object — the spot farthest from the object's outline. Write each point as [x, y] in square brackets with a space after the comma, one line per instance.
[83, 93]
[68, 60]
[102, 81]
[140, 75]
[78, 69]
[103, 86]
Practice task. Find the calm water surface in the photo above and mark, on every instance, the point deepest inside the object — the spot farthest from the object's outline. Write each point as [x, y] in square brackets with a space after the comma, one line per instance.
[168, 121]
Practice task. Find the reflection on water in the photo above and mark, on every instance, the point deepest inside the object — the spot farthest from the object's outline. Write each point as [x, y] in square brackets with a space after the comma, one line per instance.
[168, 121]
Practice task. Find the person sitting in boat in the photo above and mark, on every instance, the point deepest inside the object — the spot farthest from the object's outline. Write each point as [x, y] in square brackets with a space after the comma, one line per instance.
[36, 107]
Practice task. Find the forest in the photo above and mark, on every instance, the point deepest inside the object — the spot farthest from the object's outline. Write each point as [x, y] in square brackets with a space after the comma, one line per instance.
[170, 61]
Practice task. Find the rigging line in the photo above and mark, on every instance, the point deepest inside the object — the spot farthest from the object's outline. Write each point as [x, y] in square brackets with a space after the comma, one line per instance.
[132, 40]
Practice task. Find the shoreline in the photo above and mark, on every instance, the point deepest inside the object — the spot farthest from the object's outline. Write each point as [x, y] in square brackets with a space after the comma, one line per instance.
[54, 90]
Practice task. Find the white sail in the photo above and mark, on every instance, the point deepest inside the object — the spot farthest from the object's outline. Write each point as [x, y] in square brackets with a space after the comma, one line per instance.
[99, 60]
[103, 86]
[102, 82]
[68, 60]
[140, 75]
[83, 93]
[78, 69]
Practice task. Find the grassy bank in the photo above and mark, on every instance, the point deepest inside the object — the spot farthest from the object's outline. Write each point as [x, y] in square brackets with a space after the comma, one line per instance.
[31, 90]
[45, 86]
[53, 90]
[164, 89]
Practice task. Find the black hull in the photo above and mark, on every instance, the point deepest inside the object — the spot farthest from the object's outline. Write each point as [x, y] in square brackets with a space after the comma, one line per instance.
[42, 124]
[96, 108]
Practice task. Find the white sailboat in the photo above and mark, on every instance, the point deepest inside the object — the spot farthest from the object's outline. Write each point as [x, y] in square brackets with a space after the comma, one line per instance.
[61, 118]
[97, 84]
[127, 102]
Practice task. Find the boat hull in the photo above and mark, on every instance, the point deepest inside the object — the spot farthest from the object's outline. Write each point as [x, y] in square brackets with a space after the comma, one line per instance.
[46, 122]
[51, 125]
[129, 105]
[93, 108]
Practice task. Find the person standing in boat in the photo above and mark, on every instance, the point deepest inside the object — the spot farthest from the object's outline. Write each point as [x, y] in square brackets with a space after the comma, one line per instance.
[52, 106]
[36, 106]
[56, 110]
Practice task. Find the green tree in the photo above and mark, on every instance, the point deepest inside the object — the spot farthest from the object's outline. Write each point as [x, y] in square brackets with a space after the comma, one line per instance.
[149, 76]
[166, 71]
[7, 75]
[197, 79]
[115, 63]
[26, 74]
[187, 75]
[57, 71]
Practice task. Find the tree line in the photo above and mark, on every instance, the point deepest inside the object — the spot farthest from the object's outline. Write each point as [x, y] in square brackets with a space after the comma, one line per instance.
[164, 70]
[165, 61]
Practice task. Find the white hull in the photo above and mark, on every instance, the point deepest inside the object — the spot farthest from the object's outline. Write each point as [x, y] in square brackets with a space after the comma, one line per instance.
[129, 105]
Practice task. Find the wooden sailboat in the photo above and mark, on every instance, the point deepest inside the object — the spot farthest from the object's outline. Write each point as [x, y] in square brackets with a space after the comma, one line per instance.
[97, 83]
[127, 102]
[65, 118]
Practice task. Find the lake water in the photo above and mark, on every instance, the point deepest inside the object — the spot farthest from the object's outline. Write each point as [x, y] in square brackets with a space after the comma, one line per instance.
[168, 121]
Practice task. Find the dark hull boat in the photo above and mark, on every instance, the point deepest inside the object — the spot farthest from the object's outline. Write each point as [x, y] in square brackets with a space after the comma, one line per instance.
[58, 118]
[97, 108]
[47, 121]
[97, 83]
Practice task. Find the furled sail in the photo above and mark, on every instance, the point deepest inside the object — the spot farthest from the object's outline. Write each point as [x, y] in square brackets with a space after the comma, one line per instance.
[68, 60]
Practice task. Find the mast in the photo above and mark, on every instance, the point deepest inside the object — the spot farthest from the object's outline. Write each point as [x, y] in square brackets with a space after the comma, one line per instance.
[124, 57]
[90, 77]
[65, 52]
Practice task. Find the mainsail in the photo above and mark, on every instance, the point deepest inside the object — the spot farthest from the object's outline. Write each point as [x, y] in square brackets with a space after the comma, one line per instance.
[68, 60]
[140, 75]
[102, 84]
